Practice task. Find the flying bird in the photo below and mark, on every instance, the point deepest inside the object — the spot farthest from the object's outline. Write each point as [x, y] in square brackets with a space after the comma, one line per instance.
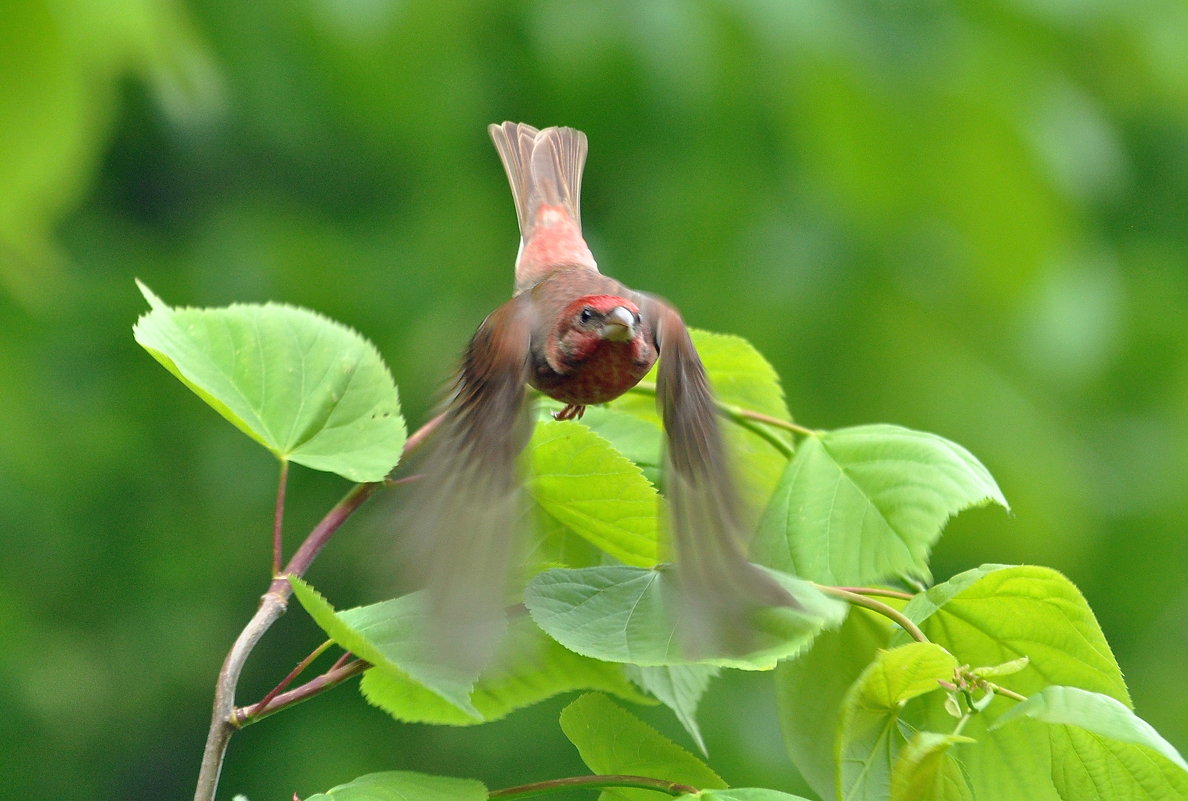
[582, 338]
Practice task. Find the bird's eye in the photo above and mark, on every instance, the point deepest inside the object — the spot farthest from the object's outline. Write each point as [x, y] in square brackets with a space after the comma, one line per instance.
[587, 315]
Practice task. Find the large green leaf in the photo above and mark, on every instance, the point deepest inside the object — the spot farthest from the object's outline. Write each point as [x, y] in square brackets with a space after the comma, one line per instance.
[924, 770]
[863, 505]
[619, 613]
[810, 691]
[391, 636]
[613, 741]
[868, 736]
[1100, 749]
[995, 614]
[590, 489]
[639, 438]
[308, 389]
[399, 785]
[528, 668]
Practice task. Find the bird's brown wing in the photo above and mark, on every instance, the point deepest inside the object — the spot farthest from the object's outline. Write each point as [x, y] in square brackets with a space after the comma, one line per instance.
[719, 587]
[464, 512]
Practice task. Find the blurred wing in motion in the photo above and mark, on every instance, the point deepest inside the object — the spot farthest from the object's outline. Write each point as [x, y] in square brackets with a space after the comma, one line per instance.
[464, 513]
[719, 587]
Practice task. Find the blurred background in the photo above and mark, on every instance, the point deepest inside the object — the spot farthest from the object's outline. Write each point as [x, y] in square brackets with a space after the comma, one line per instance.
[967, 218]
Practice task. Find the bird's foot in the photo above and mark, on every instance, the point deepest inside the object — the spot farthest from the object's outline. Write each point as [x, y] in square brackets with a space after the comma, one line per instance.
[572, 411]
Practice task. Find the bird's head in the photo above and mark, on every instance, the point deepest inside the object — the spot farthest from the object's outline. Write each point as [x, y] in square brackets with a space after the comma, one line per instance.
[592, 320]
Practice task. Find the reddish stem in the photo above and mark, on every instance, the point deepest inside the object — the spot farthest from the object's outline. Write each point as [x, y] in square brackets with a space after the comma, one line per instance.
[331, 678]
[287, 680]
[278, 516]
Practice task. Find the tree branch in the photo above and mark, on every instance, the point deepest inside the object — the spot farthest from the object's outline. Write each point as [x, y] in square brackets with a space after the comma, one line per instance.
[225, 719]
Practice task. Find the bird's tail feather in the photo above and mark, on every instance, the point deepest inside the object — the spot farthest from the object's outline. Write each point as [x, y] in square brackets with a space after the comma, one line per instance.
[543, 168]
[558, 158]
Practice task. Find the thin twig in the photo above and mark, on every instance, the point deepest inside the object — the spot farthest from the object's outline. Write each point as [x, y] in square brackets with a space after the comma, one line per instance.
[287, 680]
[776, 422]
[415, 439]
[883, 609]
[883, 591]
[761, 431]
[244, 716]
[323, 531]
[998, 689]
[739, 414]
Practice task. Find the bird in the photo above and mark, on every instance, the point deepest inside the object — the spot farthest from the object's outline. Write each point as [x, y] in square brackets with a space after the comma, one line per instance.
[582, 338]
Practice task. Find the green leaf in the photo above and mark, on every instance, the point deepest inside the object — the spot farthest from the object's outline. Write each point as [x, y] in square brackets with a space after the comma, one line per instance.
[811, 688]
[1100, 749]
[588, 487]
[618, 613]
[610, 740]
[553, 544]
[308, 389]
[528, 668]
[863, 505]
[926, 771]
[391, 636]
[740, 377]
[678, 687]
[868, 735]
[640, 439]
[994, 614]
[1093, 712]
[398, 785]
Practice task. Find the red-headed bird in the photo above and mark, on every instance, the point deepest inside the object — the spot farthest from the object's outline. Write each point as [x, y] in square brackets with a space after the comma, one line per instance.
[580, 337]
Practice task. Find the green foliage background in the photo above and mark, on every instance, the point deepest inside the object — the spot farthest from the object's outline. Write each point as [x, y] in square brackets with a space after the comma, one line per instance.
[964, 218]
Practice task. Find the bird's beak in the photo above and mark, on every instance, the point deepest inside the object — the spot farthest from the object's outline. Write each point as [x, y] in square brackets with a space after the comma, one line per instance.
[619, 325]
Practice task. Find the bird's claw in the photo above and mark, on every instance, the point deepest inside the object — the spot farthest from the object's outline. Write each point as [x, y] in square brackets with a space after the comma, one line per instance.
[572, 411]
